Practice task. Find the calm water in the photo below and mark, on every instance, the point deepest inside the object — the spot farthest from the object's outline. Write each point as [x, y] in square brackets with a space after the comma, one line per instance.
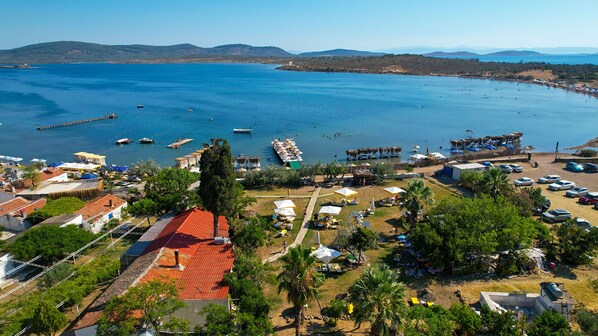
[367, 110]
[552, 59]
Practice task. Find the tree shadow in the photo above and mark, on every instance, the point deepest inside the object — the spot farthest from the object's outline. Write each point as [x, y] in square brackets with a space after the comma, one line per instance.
[565, 271]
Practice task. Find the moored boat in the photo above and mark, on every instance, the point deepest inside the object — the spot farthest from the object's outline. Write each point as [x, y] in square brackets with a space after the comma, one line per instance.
[243, 130]
[140, 106]
[124, 141]
[146, 141]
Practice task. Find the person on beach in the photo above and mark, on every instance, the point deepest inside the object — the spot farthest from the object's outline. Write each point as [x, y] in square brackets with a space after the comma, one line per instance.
[284, 246]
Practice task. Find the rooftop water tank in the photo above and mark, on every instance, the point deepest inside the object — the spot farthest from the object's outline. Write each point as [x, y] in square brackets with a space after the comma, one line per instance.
[555, 290]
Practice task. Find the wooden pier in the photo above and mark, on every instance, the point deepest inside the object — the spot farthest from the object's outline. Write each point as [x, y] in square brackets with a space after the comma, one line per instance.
[373, 153]
[78, 122]
[179, 143]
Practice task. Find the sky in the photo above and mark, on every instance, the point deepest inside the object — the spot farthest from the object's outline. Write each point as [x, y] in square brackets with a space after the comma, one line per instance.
[306, 25]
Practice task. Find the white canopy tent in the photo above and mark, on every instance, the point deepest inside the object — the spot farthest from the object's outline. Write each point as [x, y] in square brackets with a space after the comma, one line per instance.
[284, 211]
[417, 157]
[284, 204]
[345, 192]
[325, 254]
[330, 210]
[394, 190]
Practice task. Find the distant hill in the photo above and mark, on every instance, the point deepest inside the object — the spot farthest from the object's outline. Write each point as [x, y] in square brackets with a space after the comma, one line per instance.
[514, 53]
[339, 52]
[452, 54]
[72, 52]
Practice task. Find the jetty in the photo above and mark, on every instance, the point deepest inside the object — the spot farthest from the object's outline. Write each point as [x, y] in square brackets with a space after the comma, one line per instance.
[373, 153]
[243, 163]
[78, 122]
[288, 152]
[179, 143]
[506, 140]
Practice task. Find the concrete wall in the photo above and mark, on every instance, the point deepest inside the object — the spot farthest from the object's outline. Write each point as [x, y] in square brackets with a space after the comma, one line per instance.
[89, 331]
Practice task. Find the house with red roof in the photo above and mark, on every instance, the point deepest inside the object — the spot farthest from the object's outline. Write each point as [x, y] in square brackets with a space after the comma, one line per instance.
[13, 213]
[184, 252]
[99, 212]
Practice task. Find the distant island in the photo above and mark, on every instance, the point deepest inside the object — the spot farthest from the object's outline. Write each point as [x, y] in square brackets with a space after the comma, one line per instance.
[516, 53]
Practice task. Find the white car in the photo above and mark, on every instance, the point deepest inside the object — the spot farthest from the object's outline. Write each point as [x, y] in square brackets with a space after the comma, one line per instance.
[505, 168]
[523, 181]
[577, 192]
[549, 179]
[516, 168]
[561, 185]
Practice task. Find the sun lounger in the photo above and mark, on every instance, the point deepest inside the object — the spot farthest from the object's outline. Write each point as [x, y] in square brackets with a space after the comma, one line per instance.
[414, 301]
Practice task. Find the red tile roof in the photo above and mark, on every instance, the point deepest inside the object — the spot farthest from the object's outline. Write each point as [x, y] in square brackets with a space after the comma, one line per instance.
[100, 207]
[204, 262]
[49, 173]
[16, 205]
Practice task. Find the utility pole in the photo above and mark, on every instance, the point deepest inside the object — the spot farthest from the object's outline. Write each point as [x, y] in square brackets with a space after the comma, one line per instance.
[556, 152]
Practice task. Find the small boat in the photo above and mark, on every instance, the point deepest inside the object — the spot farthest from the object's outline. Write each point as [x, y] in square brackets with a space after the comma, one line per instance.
[124, 141]
[210, 119]
[140, 106]
[146, 141]
[243, 130]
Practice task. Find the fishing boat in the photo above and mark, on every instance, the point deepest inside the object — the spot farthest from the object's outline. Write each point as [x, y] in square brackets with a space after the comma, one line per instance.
[124, 141]
[146, 141]
[243, 130]
[140, 106]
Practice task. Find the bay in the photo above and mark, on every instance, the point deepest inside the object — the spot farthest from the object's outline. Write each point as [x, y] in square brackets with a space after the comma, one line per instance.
[363, 110]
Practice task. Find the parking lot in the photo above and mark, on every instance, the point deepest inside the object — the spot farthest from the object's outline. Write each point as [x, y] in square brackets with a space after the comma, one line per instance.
[558, 198]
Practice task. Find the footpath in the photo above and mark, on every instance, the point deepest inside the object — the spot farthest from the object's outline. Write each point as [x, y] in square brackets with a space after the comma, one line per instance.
[303, 230]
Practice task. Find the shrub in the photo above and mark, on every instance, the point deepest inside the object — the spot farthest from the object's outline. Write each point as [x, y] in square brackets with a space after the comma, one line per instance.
[588, 153]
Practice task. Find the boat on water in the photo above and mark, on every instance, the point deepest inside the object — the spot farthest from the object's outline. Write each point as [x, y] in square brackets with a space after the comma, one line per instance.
[124, 141]
[140, 106]
[146, 141]
[243, 130]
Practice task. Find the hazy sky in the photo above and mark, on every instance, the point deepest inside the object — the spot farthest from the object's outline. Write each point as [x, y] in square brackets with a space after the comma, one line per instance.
[305, 24]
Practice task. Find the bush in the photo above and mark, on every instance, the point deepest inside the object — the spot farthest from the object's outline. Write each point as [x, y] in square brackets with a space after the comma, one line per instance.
[56, 274]
[588, 153]
[61, 206]
[336, 309]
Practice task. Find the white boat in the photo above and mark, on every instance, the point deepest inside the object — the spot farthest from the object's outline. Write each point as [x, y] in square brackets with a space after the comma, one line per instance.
[243, 130]
[124, 141]
[146, 141]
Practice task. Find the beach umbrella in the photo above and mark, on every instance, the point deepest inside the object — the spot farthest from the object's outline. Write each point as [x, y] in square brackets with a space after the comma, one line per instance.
[284, 211]
[318, 237]
[473, 149]
[345, 192]
[456, 151]
[330, 210]
[394, 190]
[325, 254]
[417, 157]
[437, 155]
[34, 160]
[17, 159]
[88, 176]
[373, 205]
[509, 146]
[284, 204]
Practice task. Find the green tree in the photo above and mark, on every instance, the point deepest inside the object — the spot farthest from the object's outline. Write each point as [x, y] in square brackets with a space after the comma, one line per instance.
[31, 173]
[363, 239]
[535, 194]
[250, 237]
[467, 321]
[378, 298]
[434, 321]
[219, 321]
[494, 183]
[151, 301]
[218, 188]
[145, 168]
[381, 170]
[47, 319]
[56, 274]
[169, 190]
[498, 324]
[51, 242]
[470, 179]
[549, 323]
[145, 207]
[588, 321]
[576, 245]
[299, 279]
[333, 169]
[57, 207]
[414, 198]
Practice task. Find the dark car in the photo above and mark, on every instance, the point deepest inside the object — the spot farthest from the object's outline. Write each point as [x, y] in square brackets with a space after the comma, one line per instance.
[590, 168]
[589, 198]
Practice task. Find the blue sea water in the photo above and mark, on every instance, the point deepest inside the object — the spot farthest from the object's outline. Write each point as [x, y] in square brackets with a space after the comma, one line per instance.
[366, 110]
[545, 58]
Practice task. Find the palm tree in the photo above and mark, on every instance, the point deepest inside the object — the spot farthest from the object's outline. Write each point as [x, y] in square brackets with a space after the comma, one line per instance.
[495, 183]
[299, 279]
[378, 298]
[414, 198]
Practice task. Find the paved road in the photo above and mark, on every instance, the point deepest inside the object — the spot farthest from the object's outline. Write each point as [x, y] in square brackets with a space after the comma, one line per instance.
[304, 227]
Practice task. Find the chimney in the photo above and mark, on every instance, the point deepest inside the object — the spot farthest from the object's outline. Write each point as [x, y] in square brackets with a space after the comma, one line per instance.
[177, 264]
[110, 203]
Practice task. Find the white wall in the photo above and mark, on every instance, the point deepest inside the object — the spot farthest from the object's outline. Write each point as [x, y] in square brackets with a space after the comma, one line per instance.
[97, 225]
[6, 265]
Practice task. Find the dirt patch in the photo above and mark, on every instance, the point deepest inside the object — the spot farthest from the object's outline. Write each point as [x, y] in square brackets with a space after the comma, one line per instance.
[539, 74]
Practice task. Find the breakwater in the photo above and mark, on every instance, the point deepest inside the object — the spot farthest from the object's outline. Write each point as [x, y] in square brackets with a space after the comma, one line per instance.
[77, 122]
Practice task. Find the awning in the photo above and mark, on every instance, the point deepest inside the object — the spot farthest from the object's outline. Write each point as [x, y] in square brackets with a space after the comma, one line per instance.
[325, 254]
[394, 190]
[295, 165]
[284, 211]
[330, 210]
[284, 204]
[345, 192]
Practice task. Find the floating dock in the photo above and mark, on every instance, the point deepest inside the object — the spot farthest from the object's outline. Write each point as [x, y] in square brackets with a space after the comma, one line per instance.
[373, 153]
[288, 152]
[78, 122]
[179, 143]
[489, 140]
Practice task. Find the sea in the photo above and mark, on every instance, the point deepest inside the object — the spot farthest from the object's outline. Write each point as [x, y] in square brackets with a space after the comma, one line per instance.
[326, 113]
[544, 58]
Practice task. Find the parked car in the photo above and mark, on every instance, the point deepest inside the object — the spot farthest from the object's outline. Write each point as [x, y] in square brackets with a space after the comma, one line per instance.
[505, 168]
[549, 179]
[576, 192]
[574, 167]
[516, 168]
[561, 185]
[590, 168]
[523, 181]
[589, 198]
[556, 215]
[583, 223]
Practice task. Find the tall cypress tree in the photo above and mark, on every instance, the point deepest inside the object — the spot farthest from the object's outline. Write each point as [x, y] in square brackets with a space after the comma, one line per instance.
[218, 189]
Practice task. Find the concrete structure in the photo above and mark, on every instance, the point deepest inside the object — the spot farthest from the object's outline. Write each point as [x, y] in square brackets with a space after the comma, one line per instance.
[552, 296]
[99, 212]
[53, 175]
[185, 252]
[13, 213]
[454, 171]
[64, 220]
[84, 157]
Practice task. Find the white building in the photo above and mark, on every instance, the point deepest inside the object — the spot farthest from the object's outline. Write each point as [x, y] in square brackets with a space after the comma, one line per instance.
[455, 171]
[99, 212]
